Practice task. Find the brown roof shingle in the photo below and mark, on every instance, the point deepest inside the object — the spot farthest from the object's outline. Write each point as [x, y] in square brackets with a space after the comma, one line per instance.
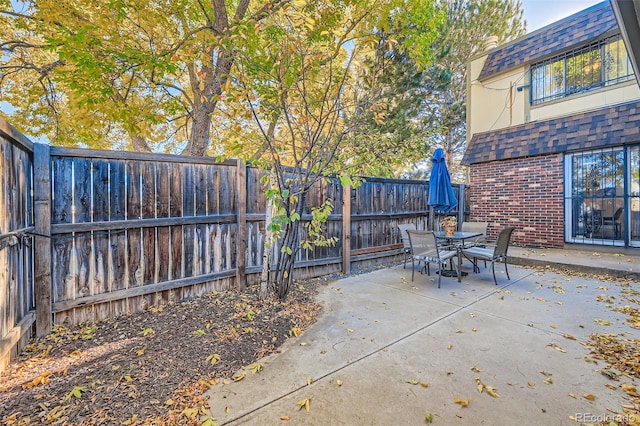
[577, 29]
[615, 125]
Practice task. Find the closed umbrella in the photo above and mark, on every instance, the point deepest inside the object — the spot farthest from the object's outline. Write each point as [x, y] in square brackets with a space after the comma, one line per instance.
[441, 195]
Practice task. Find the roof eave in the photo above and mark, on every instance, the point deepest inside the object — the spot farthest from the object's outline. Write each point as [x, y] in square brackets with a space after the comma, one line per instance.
[626, 13]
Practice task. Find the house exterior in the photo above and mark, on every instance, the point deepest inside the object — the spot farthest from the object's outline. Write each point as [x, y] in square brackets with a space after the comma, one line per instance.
[553, 131]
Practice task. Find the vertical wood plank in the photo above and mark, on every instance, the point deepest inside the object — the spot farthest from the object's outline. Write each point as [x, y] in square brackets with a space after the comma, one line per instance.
[134, 236]
[42, 246]
[241, 211]
[117, 251]
[163, 242]
[176, 267]
[62, 195]
[149, 203]
[100, 207]
[213, 189]
[4, 227]
[346, 229]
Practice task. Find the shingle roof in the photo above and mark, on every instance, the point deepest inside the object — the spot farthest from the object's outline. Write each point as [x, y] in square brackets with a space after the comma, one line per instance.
[616, 125]
[556, 38]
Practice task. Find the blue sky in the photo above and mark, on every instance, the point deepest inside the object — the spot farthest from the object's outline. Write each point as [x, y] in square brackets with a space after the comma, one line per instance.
[539, 13]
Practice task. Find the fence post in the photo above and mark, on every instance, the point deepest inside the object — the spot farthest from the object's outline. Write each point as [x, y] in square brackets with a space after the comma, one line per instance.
[346, 229]
[42, 246]
[241, 209]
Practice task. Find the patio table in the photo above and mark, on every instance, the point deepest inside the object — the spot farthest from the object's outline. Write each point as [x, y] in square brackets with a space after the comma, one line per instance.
[457, 237]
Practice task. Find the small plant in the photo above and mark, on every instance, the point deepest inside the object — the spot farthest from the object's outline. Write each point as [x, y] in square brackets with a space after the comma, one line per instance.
[449, 221]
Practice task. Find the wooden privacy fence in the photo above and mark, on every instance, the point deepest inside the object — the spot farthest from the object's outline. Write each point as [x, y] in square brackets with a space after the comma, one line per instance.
[116, 232]
[17, 311]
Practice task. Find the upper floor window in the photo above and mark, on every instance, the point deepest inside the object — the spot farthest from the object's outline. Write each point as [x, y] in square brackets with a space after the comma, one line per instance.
[595, 65]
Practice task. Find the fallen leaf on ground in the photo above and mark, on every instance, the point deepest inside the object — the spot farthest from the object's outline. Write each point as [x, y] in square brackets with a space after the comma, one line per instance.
[306, 403]
[462, 402]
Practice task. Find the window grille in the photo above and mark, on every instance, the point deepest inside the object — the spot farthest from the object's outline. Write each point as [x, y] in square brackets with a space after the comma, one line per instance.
[588, 67]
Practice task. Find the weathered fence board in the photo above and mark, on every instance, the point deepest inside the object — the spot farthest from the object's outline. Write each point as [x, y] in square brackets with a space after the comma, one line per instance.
[138, 221]
[17, 309]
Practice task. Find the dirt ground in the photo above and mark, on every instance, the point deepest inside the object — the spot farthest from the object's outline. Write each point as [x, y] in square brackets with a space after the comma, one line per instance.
[150, 368]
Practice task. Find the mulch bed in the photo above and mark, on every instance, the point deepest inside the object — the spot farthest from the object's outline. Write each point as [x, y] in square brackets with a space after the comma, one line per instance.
[153, 367]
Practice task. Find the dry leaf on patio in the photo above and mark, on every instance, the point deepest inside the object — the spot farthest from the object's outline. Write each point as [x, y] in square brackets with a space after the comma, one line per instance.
[589, 396]
[557, 348]
[254, 368]
[462, 402]
[306, 403]
[629, 389]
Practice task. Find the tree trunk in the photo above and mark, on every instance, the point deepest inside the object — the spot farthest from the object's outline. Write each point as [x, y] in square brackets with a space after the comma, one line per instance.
[139, 144]
[286, 259]
[270, 240]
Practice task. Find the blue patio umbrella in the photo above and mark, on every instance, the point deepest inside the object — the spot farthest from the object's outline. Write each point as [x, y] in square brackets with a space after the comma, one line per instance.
[441, 195]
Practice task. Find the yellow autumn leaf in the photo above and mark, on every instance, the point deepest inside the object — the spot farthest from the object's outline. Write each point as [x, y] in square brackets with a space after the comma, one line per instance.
[147, 331]
[589, 396]
[306, 403]
[413, 382]
[208, 422]
[213, 358]
[127, 377]
[602, 322]
[629, 389]
[339, 382]
[190, 413]
[492, 391]
[462, 402]
[568, 336]
[548, 381]
[131, 421]
[350, 330]
[140, 352]
[42, 379]
[239, 376]
[56, 412]
[285, 417]
[254, 368]
[429, 418]
[295, 331]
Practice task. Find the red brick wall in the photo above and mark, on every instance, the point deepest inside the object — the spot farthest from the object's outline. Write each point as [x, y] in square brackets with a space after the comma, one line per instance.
[526, 193]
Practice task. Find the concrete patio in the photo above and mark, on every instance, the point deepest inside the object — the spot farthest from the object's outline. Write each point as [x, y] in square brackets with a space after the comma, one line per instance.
[388, 351]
